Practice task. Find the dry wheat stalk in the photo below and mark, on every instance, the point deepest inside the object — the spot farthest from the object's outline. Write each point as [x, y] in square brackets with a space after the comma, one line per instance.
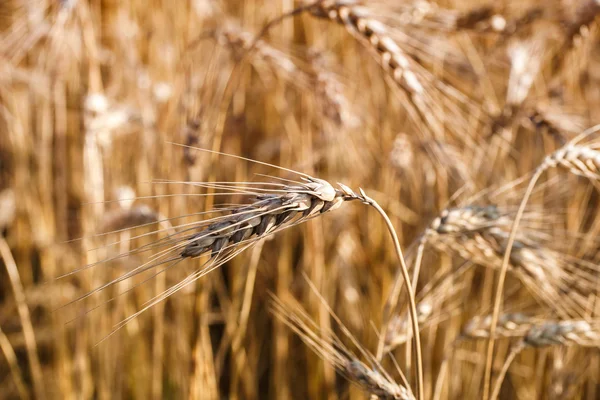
[333, 350]
[7, 208]
[577, 158]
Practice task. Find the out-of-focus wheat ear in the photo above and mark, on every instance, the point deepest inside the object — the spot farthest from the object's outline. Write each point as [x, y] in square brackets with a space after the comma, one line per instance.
[491, 19]
[575, 28]
[436, 302]
[552, 333]
[427, 99]
[526, 60]
[555, 120]
[310, 76]
[576, 158]
[373, 380]
[479, 234]
[330, 90]
[510, 325]
[564, 333]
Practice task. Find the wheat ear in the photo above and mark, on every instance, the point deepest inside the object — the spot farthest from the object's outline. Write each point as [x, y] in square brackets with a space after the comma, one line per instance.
[341, 357]
[552, 333]
[509, 325]
[577, 160]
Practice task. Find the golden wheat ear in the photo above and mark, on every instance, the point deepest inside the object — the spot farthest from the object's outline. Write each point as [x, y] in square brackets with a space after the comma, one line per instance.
[271, 207]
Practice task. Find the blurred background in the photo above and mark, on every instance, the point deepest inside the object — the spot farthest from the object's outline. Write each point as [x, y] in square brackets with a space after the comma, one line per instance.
[427, 105]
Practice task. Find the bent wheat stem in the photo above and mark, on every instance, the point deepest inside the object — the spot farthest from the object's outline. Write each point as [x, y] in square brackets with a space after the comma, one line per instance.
[411, 298]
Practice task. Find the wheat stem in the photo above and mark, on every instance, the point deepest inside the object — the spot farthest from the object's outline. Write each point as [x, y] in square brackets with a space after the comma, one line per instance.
[516, 349]
[24, 315]
[411, 299]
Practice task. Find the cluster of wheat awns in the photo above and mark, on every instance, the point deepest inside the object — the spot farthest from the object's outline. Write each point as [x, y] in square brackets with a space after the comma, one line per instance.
[473, 125]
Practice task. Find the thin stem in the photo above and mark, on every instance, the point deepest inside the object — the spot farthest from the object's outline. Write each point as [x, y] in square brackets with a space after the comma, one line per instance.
[511, 356]
[13, 363]
[502, 277]
[411, 300]
[23, 310]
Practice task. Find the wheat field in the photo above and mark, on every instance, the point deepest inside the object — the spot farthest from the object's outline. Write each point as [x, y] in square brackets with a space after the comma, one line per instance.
[297, 199]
